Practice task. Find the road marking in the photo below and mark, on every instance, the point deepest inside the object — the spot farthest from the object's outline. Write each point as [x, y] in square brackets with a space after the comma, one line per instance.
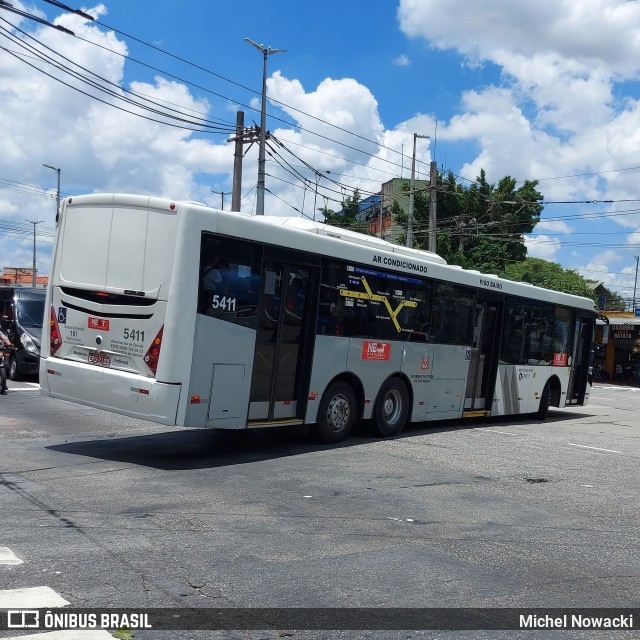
[8, 557]
[584, 446]
[39, 598]
[506, 433]
[66, 635]
[31, 598]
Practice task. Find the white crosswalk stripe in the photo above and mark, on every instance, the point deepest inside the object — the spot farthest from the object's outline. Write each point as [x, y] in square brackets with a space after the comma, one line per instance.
[40, 598]
[8, 557]
[31, 598]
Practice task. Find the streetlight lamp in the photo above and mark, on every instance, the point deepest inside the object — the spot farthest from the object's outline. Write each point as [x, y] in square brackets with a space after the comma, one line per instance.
[56, 169]
[222, 195]
[33, 274]
[266, 52]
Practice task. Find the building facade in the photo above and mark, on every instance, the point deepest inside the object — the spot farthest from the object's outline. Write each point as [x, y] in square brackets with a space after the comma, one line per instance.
[377, 210]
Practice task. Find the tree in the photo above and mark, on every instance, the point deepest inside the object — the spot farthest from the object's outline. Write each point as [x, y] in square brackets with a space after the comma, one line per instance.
[480, 226]
[550, 275]
[348, 217]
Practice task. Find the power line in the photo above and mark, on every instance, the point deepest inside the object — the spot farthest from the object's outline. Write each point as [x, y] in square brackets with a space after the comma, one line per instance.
[377, 143]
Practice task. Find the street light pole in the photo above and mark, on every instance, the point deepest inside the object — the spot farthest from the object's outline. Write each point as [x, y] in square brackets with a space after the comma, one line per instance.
[57, 170]
[33, 275]
[411, 199]
[266, 52]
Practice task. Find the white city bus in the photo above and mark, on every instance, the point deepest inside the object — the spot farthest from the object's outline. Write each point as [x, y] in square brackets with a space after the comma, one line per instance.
[301, 323]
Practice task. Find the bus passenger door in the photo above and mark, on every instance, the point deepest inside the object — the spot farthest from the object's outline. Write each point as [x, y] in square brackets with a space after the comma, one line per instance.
[483, 366]
[284, 341]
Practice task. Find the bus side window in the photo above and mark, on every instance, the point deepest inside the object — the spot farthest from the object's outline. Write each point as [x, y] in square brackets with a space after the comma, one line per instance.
[453, 310]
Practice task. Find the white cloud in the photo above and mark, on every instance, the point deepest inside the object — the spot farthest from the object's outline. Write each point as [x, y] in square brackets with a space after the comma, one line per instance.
[97, 147]
[557, 226]
[544, 247]
[402, 61]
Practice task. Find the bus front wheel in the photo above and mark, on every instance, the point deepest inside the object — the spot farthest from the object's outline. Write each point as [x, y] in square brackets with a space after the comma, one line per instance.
[392, 408]
[336, 414]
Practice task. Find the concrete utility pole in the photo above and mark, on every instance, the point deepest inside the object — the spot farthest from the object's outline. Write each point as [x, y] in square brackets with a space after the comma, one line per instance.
[266, 52]
[57, 169]
[411, 189]
[33, 276]
[635, 284]
[433, 194]
[237, 163]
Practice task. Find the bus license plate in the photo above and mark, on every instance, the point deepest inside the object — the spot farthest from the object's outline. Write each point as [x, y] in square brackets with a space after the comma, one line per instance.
[100, 359]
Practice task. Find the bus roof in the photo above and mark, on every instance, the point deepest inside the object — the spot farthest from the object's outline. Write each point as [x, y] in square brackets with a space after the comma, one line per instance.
[293, 232]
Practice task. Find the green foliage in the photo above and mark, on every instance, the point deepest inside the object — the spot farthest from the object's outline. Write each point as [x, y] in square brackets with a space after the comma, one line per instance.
[480, 226]
[348, 217]
[550, 275]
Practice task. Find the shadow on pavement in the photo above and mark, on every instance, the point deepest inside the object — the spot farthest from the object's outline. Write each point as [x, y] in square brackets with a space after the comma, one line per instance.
[184, 449]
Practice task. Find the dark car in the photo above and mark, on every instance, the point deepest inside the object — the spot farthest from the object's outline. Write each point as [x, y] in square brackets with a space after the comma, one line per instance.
[21, 317]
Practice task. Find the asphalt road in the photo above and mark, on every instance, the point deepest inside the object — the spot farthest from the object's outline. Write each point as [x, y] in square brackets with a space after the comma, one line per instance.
[114, 512]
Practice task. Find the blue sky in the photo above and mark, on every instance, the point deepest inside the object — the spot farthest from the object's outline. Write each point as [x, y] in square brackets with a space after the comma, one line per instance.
[546, 90]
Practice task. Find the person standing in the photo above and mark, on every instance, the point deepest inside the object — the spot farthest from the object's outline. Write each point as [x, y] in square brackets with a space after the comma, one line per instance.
[5, 345]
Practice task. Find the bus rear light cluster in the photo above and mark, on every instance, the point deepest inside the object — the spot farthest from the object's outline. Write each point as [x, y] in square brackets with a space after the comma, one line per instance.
[152, 355]
[55, 340]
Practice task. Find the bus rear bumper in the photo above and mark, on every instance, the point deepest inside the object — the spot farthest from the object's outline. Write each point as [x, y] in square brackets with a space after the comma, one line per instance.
[118, 391]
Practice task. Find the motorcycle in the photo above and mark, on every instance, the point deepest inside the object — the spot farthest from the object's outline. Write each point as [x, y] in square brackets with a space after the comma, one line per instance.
[3, 372]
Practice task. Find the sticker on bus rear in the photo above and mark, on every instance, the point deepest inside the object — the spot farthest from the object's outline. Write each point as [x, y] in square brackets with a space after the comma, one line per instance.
[98, 323]
[376, 350]
[62, 315]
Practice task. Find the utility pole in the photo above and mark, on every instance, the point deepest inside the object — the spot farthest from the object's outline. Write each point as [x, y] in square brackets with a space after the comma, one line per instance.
[222, 195]
[57, 169]
[635, 284]
[33, 276]
[433, 194]
[237, 163]
[266, 52]
[243, 136]
[411, 192]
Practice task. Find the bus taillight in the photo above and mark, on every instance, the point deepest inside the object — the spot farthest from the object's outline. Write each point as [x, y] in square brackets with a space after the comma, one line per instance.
[55, 340]
[152, 355]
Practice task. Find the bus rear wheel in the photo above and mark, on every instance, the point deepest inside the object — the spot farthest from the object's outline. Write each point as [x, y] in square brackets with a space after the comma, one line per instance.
[545, 400]
[336, 414]
[392, 408]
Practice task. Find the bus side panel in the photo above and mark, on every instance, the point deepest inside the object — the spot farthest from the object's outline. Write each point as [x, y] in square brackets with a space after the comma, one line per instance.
[117, 391]
[510, 391]
[373, 361]
[418, 364]
[222, 361]
[329, 359]
[445, 392]
[519, 388]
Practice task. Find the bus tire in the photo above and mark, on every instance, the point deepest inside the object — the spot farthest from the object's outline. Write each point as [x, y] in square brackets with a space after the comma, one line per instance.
[392, 408]
[545, 400]
[336, 414]
[14, 369]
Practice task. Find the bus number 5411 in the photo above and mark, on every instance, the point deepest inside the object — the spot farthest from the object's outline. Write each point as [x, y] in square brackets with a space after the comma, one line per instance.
[223, 302]
[134, 334]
